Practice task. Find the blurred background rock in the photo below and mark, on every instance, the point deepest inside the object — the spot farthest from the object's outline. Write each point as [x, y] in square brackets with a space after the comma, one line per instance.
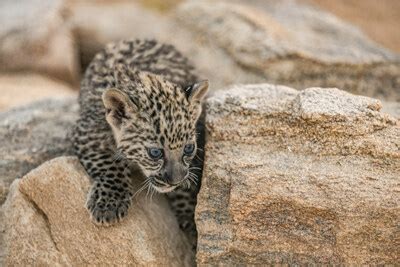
[378, 19]
[296, 43]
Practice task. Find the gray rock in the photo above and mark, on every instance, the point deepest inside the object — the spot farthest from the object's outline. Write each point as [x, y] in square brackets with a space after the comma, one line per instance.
[32, 135]
[298, 177]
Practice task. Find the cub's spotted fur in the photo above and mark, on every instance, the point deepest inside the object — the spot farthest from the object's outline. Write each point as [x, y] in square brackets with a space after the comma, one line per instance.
[139, 108]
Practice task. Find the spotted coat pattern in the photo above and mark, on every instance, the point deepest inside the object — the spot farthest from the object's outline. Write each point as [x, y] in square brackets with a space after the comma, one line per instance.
[138, 94]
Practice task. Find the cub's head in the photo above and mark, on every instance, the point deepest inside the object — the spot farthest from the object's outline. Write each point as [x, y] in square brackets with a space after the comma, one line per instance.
[154, 125]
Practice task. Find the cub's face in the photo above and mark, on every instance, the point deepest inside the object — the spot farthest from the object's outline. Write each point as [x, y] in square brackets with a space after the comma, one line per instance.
[155, 127]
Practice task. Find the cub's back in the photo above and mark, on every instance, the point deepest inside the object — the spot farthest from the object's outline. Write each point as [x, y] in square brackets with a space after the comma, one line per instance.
[137, 55]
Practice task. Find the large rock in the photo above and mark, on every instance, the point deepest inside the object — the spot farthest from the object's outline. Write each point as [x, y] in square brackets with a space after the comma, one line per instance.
[32, 135]
[48, 225]
[21, 89]
[299, 177]
[294, 44]
[35, 36]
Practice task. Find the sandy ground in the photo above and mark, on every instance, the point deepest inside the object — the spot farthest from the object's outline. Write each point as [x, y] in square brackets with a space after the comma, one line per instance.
[379, 19]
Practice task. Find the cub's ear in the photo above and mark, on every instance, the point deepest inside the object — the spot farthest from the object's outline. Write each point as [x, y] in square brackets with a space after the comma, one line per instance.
[197, 91]
[118, 106]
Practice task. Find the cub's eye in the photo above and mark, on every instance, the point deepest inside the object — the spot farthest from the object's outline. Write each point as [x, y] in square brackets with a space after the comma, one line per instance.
[155, 153]
[188, 149]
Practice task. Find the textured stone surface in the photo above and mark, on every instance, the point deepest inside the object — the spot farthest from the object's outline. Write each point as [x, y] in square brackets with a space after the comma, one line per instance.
[21, 89]
[47, 224]
[297, 45]
[309, 177]
[35, 36]
[33, 134]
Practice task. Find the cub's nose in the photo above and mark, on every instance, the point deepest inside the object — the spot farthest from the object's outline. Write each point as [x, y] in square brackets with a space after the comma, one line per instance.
[167, 177]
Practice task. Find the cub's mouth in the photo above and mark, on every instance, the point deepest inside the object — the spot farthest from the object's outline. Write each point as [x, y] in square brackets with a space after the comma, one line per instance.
[162, 187]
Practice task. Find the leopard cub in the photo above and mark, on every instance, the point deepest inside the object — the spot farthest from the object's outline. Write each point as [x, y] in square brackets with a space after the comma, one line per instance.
[140, 103]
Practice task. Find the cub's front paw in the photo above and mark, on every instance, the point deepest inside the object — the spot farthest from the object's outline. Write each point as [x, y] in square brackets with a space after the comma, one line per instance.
[105, 210]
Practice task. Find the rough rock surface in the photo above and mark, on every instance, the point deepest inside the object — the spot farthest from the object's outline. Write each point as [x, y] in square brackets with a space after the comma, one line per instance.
[21, 89]
[33, 134]
[35, 36]
[299, 177]
[47, 225]
[294, 44]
